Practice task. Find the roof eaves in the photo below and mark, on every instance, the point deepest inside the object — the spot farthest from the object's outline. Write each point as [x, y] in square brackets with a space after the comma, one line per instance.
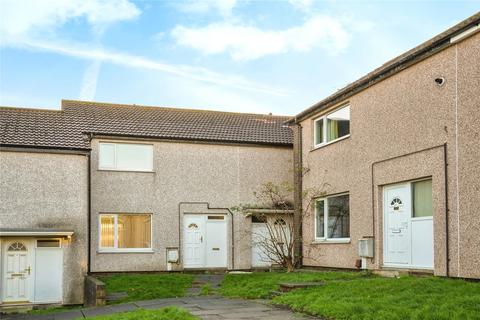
[204, 140]
[7, 146]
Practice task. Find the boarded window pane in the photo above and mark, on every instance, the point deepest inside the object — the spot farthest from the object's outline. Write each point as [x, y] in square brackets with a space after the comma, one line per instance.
[134, 157]
[318, 131]
[134, 231]
[338, 217]
[422, 199]
[107, 155]
[107, 232]
[320, 216]
[338, 124]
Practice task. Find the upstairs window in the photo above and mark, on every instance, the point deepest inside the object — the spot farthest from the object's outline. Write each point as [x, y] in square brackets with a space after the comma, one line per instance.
[125, 156]
[332, 126]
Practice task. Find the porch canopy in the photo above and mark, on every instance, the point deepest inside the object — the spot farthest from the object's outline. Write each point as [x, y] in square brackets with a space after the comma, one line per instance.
[35, 232]
[267, 211]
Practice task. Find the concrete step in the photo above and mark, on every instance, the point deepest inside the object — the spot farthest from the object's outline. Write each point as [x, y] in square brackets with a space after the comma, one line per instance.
[12, 309]
[289, 286]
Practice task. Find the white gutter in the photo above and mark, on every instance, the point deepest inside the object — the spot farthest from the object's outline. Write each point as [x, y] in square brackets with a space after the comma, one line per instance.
[35, 233]
[465, 34]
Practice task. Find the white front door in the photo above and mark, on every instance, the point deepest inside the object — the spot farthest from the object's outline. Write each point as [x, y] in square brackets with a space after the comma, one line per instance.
[216, 242]
[398, 212]
[259, 236]
[48, 271]
[17, 271]
[194, 236]
[408, 225]
[205, 241]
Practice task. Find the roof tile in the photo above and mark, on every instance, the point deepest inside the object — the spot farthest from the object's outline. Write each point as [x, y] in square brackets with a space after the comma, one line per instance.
[65, 128]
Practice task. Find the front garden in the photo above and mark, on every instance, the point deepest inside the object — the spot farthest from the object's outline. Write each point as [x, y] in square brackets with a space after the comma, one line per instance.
[168, 313]
[137, 287]
[360, 296]
[338, 296]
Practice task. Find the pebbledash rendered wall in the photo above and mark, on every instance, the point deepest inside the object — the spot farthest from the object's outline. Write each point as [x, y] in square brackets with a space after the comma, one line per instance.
[401, 116]
[224, 176]
[49, 190]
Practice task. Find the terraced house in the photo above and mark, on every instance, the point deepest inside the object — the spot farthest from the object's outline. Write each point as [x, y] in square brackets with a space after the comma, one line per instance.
[98, 187]
[102, 188]
[397, 154]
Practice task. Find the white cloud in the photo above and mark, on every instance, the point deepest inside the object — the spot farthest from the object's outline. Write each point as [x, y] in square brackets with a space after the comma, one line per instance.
[195, 73]
[89, 81]
[223, 7]
[303, 5]
[27, 17]
[245, 42]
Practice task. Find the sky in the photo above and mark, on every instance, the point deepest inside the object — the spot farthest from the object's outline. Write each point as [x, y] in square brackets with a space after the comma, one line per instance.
[275, 57]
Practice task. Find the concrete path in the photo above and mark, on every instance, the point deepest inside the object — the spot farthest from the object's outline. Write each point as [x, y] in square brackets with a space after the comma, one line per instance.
[205, 307]
[212, 280]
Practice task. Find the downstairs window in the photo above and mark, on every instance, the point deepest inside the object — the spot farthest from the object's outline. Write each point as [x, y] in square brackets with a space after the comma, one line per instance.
[332, 218]
[125, 232]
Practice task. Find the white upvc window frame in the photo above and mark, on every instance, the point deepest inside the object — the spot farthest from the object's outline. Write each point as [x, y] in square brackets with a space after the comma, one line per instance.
[323, 118]
[325, 220]
[115, 248]
[115, 166]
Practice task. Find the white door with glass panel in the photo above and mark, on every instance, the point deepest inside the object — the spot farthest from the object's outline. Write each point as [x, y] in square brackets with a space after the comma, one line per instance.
[48, 271]
[17, 271]
[205, 241]
[408, 225]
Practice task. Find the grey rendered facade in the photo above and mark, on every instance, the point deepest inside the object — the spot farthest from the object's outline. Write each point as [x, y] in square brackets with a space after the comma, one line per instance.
[42, 190]
[215, 175]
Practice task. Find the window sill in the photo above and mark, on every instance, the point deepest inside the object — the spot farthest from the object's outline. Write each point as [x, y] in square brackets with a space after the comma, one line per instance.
[125, 170]
[332, 241]
[125, 251]
[329, 143]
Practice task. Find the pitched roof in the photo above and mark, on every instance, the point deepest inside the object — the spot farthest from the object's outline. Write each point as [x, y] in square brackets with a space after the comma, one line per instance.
[65, 128]
[38, 128]
[403, 61]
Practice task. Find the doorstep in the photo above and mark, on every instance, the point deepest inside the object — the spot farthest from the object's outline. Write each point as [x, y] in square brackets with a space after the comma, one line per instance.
[9, 308]
[392, 272]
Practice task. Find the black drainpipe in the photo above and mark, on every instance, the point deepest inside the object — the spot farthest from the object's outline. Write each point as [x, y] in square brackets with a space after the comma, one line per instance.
[447, 211]
[208, 208]
[89, 195]
[444, 146]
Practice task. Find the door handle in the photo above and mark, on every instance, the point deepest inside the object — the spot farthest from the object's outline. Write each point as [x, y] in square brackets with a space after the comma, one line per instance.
[28, 270]
[201, 239]
[396, 231]
[16, 274]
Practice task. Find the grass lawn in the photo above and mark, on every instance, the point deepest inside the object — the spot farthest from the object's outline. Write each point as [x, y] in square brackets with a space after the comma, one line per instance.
[168, 313]
[421, 298]
[148, 286]
[357, 296]
[54, 309]
[260, 284]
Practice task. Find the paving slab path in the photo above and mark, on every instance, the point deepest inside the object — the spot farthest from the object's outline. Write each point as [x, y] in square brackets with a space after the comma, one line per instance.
[211, 307]
[204, 307]
[213, 281]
